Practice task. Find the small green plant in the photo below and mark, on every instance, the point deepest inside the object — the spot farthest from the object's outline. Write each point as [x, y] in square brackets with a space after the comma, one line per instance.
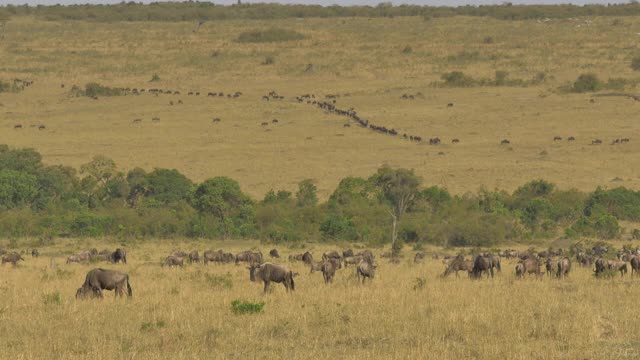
[586, 83]
[150, 325]
[219, 281]
[241, 307]
[53, 298]
[407, 50]
[155, 78]
[419, 284]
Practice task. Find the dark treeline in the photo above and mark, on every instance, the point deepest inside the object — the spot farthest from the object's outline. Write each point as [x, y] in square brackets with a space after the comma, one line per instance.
[202, 11]
[47, 201]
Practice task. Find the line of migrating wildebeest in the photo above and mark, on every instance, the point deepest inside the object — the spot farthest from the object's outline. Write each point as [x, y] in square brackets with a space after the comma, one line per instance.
[529, 263]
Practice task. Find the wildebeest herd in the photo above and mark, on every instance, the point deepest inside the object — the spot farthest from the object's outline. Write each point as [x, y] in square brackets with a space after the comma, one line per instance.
[555, 263]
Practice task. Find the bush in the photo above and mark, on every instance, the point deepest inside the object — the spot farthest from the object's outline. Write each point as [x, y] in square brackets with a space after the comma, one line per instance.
[155, 78]
[52, 298]
[95, 89]
[586, 83]
[270, 35]
[457, 79]
[635, 63]
[241, 307]
[407, 50]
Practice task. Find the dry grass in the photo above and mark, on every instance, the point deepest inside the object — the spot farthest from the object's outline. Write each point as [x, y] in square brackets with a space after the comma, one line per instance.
[186, 313]
[361, 57]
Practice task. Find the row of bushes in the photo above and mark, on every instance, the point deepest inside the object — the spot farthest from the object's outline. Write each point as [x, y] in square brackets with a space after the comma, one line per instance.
[460, 79]
[49, 201]
[194, 11]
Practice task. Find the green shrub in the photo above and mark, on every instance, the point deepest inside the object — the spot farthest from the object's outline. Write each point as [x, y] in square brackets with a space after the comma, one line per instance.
[241, 307]
[407, 50]
[586, 83]
[94, 89]
[269, 35]
[155, 78]
[457, 79]
[53, 298]
[219, 281]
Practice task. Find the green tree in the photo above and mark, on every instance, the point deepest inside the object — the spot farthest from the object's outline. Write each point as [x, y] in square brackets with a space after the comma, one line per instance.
[222, 197]
[168, 186]
[399, 188]
[25, 160]
[16, 189]
[100, 168]
[306, 194]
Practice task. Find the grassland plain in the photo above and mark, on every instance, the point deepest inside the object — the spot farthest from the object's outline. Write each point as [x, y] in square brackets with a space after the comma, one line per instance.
[366, 58]
[186, 313]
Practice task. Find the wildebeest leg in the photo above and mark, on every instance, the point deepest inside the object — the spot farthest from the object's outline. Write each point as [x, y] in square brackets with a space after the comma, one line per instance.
[266, 286]
[491, 271]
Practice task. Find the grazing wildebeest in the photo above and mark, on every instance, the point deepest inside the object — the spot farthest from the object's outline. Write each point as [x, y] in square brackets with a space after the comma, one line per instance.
[194, 257]
[347, 253]
[617, 265]
[306, 258]
[557, 138]
[505, 142]
[102, 279]
[584, 259]
[530, 266]
[419, 257]
[13, 258]
[520, 270]
[564, 266]
[328, 271]
[330, 255]
[17, 126]
[217, 256]
[249, 256]
[455, 141]
[459, 264]
[571, 138]
[74, 259]
[35, 253]
[172, 260]
[596, 142]
[274, 253]
[353, 260]
[366, 269]
[601, 266]
[269, 272]
[482, 264]
[551, 266]
[337, 264]
[118, 256]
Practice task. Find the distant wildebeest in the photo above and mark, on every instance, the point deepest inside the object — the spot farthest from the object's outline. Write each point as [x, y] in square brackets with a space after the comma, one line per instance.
[194, 257]
[450, 105]
[155, 119]
[505, 142]
[599, 250]
[366, 254]
[419, 257]
[102, 279]
[315, 266]
[328, 271]
[596, 142]
[306, 258]
[41, 127]
[331, 255]
[274, 121]
[564, 266]
[551, 266]
[557, 138]
[269, 272]
[584, 259]
[74, 259]
[35, 253]
[482, 264]
[17, 126]
[118, 256]
[249, 257]
[12, 258]
[571, 138]
[264, 123]
[366, 269]
[347, 253]
[173, 260]
[218, 256]
[529, 266]
[455, 141]
[274, 253]
[618, 266]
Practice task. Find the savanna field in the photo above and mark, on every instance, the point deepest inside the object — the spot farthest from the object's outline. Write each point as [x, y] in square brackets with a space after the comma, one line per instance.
[390, 71]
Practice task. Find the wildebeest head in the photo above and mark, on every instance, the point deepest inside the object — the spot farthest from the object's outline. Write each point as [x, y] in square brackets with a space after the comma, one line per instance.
[85, 293]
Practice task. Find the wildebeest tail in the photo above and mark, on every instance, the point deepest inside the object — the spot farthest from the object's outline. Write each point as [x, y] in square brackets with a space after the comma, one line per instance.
[293, 284]
[129, 291]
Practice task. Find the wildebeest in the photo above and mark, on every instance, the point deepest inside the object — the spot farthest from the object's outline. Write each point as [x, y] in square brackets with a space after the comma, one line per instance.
[366, 269]
[173, 260]
[564, 266]
[635, 265]
[306, 258]
[331, 255]
[274, 253]
[419, 257]
[353, 260]
[482, 264]
[249, 256]
[74, 259]
[179, 253]
[366, 254]
[35, 253]
[315, 266]
[505, 142]
[218, 256]
[551, 266]
[459, 264]
[102, 279]
[328, 271]
[617, 265]
[194, 257]
[118, 256]
[347, 253]
[269, 272]
[528, 266]
[13, 258]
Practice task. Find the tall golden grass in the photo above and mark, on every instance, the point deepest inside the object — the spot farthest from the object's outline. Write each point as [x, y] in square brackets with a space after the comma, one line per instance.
[185, 313]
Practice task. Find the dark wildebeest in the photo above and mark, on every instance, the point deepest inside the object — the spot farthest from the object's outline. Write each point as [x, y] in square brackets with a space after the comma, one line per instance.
[529, 266]
[13, 258]
[551, 266]
[173, 260]
[635, 265]
[269, 272]
[331, 255]
[601, 266]
[419, 257]
[214, 256]
[366, 254]
[101, 279]
[564, 266]
[274, 253]
[599, 250]
[307, 258]
[179, 254]
[584, 259]
[249, 257]
[118, 256]
[35, 253]
[328, 271]
[482, 264]
[194, 257]
[459, 264]
[347, 253]
[367, 269]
